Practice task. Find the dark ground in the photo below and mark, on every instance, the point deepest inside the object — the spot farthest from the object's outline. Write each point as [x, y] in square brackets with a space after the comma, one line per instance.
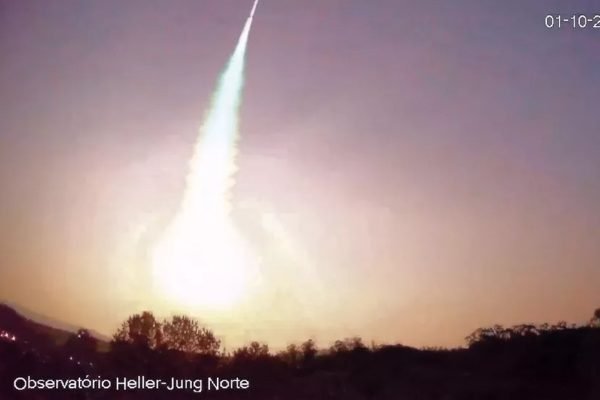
[558, 362]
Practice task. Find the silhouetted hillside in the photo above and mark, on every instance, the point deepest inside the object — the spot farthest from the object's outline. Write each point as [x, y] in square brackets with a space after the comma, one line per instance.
[38, 335]
[50, 322]
[550, 362]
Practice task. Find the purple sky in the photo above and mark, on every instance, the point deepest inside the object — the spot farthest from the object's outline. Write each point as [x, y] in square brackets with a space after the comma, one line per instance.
[439, 163]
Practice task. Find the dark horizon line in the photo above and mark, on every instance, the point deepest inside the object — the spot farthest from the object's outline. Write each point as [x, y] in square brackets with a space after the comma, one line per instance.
[42, 319]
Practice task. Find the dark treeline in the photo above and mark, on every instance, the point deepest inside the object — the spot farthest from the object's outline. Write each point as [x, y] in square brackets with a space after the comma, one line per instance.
[526, 361]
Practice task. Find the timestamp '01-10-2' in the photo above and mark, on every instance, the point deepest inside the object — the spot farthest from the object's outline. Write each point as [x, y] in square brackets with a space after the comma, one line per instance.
[577, 21]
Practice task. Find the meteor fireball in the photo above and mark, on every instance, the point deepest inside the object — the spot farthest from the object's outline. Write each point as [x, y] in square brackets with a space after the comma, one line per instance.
[201, 259]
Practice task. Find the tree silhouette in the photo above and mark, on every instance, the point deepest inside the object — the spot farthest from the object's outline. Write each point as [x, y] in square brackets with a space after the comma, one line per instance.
[346, 345]
[254, 351]
[291, 356]
[595, 321]
[142, 330]
[184, 334]
[491, 334]
[309, 352]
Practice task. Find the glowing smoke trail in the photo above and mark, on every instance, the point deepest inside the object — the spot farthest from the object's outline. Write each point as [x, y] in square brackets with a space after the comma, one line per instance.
[213, 164]
[201, 260]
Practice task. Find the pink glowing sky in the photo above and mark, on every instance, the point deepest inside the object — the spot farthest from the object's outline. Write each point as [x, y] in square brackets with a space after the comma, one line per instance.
[436, 165]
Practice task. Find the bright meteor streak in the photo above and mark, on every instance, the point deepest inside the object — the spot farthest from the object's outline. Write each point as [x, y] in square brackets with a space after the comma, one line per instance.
[201, 260]
[253, 9]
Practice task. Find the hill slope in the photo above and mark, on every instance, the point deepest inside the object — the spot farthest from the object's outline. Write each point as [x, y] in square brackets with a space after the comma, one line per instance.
[36, 329]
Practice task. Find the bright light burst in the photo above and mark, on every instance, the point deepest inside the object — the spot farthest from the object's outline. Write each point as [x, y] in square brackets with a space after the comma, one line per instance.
[201, 260]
